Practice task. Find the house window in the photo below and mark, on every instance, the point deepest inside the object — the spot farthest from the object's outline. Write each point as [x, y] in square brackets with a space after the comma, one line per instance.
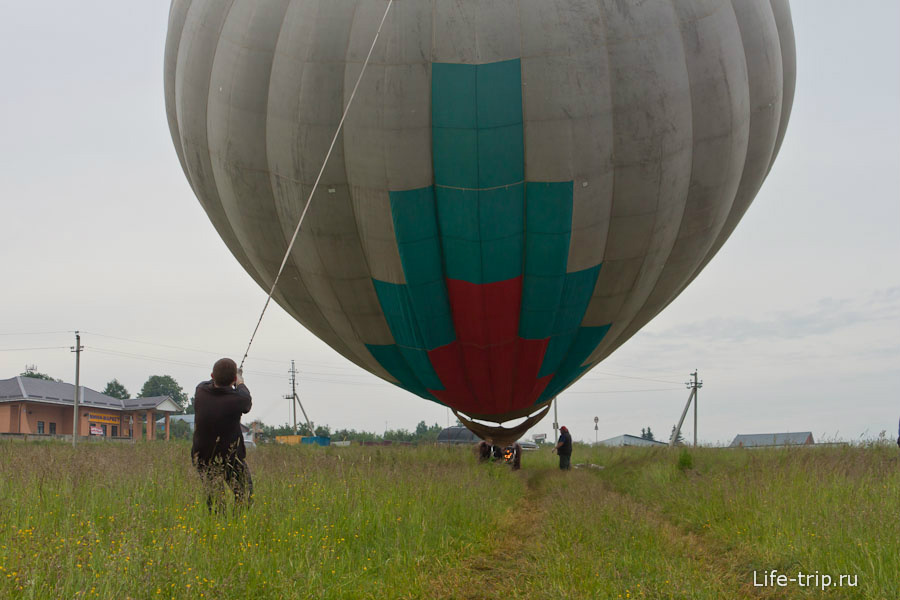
[115, 431]
[104, 430]
[40, 427]
[52, 428]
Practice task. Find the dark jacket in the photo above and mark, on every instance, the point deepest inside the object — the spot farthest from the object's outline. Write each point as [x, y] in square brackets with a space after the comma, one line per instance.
[217, 422]
[566, 448]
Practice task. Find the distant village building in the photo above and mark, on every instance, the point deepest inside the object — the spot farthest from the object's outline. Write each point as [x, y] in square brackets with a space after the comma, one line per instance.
[189, 419]
[40, 407]
[760, 440]
[630, 440]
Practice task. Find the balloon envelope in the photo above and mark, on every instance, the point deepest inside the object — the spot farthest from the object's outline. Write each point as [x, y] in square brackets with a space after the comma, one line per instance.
[519, 187]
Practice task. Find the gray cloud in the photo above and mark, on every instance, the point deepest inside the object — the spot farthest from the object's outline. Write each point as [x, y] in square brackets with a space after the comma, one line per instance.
[823, 317]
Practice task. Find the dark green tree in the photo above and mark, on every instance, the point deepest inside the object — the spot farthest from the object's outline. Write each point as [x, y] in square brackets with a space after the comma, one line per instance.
[164, 385]
[38, 375]
[180, 430]
[116, 390]
[679, 441]
[647, 434]
[189, 409]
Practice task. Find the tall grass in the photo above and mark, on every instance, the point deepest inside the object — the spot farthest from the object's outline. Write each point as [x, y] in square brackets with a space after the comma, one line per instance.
[129, 521]
[830, 509]
[112, 521]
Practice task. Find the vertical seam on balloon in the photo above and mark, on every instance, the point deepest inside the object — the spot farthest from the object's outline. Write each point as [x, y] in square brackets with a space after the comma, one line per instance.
[434, 186]
[482, 294]
[687, 199]
[554, 333]
[612, 120]
[518, 343]
[718, 241]
[352, 206]
[723, 235]
[656, 215]
[348, 349]
[170, 80]
[782, 121]
[353, 214]
[614, 167]
[238, 249]
[629, 330]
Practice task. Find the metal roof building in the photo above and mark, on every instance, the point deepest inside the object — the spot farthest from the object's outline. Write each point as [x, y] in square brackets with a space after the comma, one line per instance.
[630, 440]
[759, 440]
[41, 407]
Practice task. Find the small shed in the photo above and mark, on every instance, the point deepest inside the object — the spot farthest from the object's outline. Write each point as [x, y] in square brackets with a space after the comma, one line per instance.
[630, 440]
[457, 435]
[761, 440]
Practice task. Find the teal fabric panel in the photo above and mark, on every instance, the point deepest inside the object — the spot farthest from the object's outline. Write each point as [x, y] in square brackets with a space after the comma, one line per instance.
[420, 365]
[576, 295]
[397, 307]
[556, 352]
[501, 212]
[499, 90]
[460, 235]
[462, 259]
[548, 222]
[394, 363]
[540, 299]
[414, 215]
[453, 96]
[575, 299]
[586, 340]
[501, 218]
[458, 213]
[419, 313]
[501, 156]
[546, 254]
[455, 156]
[501, 259]
[549, 207]
[432, 314]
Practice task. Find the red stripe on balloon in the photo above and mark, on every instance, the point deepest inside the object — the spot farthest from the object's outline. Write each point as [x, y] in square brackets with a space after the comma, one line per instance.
[489, 369]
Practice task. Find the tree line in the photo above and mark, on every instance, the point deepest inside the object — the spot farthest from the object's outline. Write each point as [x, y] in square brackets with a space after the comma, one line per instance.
[165, 385]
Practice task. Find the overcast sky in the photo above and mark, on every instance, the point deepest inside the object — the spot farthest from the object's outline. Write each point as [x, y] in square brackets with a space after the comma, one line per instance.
[795, 325]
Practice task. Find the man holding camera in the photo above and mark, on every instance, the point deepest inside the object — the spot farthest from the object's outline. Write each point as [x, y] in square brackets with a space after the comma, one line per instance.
[218, 451]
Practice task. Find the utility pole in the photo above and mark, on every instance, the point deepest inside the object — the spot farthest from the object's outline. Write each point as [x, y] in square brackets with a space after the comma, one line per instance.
[695, 387]
[77, 350]
[555, 422]
[293, 373]
[692, 385]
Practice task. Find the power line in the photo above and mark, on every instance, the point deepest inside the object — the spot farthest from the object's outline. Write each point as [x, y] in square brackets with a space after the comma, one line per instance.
[30, 349]
[170, 346]
[111, 352]
[626, 391]
[634, 377]
[209, 352]
[36, 333]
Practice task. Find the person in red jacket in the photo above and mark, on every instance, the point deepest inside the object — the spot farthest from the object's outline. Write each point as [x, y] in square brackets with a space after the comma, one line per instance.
[218, 450]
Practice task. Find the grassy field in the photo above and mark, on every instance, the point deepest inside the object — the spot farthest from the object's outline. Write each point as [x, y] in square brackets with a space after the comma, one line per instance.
[128, 521]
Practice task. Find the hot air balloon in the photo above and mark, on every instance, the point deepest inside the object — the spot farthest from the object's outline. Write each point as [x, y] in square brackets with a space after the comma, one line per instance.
[519, 186]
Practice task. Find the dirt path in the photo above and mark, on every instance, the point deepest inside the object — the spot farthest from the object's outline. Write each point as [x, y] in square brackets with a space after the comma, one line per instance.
[499, 571]
[512, 560]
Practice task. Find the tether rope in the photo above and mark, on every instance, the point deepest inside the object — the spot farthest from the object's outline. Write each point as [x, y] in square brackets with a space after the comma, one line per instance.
[316, 184]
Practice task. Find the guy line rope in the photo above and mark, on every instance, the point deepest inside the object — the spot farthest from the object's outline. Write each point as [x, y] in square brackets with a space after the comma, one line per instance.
[318, 178]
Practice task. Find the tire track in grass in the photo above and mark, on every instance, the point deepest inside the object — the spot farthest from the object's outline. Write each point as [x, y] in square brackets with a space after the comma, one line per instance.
[501, 570]
[572, 535]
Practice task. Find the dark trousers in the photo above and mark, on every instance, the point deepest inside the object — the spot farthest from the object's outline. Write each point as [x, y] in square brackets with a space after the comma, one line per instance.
[236, 474]
[565, 461]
